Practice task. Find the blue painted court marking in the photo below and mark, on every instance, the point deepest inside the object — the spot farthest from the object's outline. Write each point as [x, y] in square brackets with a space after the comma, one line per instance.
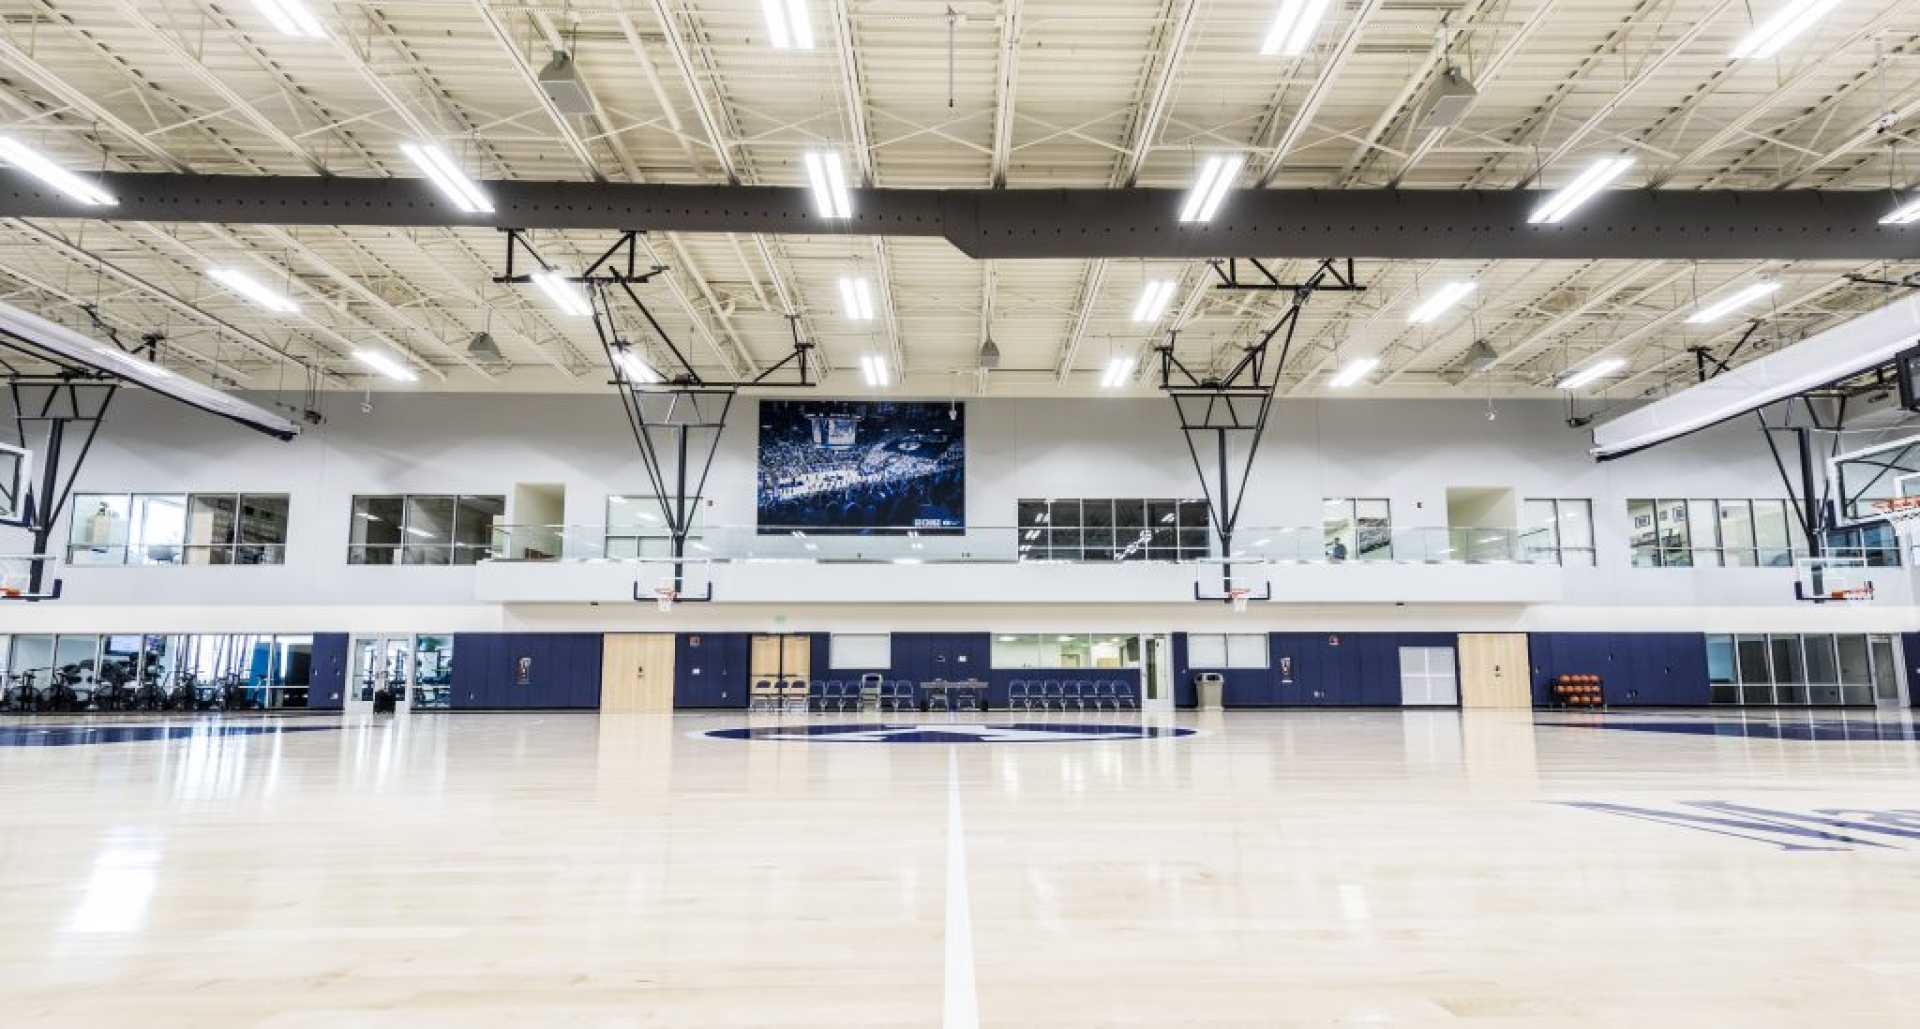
[1820, 829]
[1015, 732]
[1836, 729]
[85, 735]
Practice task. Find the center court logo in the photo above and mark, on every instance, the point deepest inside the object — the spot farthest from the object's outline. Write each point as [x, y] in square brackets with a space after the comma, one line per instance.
[1016, 732]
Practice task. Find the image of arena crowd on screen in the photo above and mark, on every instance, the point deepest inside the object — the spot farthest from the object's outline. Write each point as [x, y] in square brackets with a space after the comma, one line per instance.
[862, 467]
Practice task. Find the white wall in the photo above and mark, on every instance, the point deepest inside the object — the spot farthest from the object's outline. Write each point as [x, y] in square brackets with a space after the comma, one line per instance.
[1409, 451]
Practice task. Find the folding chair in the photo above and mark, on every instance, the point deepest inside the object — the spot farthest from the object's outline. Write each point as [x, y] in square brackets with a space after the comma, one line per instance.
[905, 696]
[816, 695]
[967, 697]
[937, 695]
[1124, 698]
[763, 697]
[1104, 694]
[1052, 696]
[1017, 695]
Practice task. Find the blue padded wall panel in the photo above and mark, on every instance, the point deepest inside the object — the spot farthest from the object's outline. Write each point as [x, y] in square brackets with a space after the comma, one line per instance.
[472, 662]
[328, 685]
[714, 674]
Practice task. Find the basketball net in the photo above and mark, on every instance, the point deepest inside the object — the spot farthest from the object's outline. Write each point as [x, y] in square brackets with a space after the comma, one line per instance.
[1904, 513]
[664, 595]
[1238, 598]
[16, 577]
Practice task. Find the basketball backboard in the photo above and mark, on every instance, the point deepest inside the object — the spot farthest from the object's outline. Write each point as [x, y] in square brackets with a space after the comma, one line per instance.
[1826, 580]
[16, 475]
[1879, 472]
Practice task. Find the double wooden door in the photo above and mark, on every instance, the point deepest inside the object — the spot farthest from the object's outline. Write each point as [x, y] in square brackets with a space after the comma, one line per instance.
[636, 672]
[1494, 670]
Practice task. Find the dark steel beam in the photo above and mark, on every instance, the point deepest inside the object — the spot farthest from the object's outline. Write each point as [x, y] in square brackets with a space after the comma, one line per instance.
[1065, 223]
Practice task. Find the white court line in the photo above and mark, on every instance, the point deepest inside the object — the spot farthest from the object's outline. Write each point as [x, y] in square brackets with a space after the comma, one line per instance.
[962, 1001]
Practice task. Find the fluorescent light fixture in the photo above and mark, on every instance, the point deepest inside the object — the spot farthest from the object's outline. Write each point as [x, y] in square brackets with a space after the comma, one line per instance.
[1768, 37]
[569, 300]
[291, 18]
[1727, 305]
[1217, 176]
[829, 183]
[415, 530]
[36, 164]
[247, 286]
[1117, 371]
[1595, 178]
[1153, 300]
[856, 298]
[788, 27]
[1293, 26]
[441, 170]
[1355, 370]
[385, 365]
[1905, 214]
[637, 369]
[874, 367]
[1436, 305]
[1596, 370]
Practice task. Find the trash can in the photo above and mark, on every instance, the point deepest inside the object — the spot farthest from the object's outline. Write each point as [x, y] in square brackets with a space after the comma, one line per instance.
[1208, 685]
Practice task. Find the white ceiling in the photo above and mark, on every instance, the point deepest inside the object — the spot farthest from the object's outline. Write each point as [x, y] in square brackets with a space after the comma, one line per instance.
[1032, 93]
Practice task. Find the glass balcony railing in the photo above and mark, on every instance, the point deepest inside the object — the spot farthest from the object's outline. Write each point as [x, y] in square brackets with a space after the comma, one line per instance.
[1009, 544]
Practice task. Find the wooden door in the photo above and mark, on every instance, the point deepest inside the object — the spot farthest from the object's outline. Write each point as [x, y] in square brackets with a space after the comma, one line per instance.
[636, 672]
[1493, 670]
[796, 657]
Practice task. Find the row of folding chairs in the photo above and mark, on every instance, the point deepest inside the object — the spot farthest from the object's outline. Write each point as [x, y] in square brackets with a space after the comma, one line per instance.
[1052, 695]
[835, 695]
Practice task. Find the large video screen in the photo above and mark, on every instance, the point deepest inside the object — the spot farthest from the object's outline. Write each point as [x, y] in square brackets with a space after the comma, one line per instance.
[843, 466]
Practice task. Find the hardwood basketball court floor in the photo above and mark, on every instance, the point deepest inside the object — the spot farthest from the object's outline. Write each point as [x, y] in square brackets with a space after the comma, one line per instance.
[1307, 868]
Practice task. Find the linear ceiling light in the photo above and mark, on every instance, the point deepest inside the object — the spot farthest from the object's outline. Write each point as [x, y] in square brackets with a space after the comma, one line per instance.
[1768, 37]
[1596, 370]
[445, 174]
[569, 300]
[291, 18]
[1118, 369]
[788, 27]
[1216, 177]
[1355, 370]
[1436, 305]
[856, 298]
[1727, 305]
[874, 367]
[1595, 178]
[829, 182]
[247, 286]
[1153, 300]
[1293, 26]
[636, 368]
[385, 365]
[1905, 214]
[36, 164]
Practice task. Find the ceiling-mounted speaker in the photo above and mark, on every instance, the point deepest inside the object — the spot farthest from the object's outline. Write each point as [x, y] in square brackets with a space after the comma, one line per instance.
[1480, 357]
[989, 354]
[1447, 100]
[562, 83]
[483, 348]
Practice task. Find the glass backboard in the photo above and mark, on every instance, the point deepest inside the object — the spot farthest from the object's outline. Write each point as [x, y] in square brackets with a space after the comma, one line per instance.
[16, 472]
[1879, 472]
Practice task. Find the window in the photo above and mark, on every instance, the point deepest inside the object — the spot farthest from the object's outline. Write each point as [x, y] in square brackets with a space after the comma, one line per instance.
[1875, 542]
[1557, 531]
[434, 529]
[1113, 530]
[1066, 650]
[636, 527]
[1797, 670]
[1232, 650]
[1672, 533]
[178, 528]
[860, 650]
[1357, 529]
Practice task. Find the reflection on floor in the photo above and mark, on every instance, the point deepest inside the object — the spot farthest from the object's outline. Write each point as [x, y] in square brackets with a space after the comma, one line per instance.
[1417, 868]
[57, 733]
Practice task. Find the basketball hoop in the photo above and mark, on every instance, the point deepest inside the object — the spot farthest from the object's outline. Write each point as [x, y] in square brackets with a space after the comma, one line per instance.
[664, 597]
[1904, 514]
[16, 576]
[1237, 596]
